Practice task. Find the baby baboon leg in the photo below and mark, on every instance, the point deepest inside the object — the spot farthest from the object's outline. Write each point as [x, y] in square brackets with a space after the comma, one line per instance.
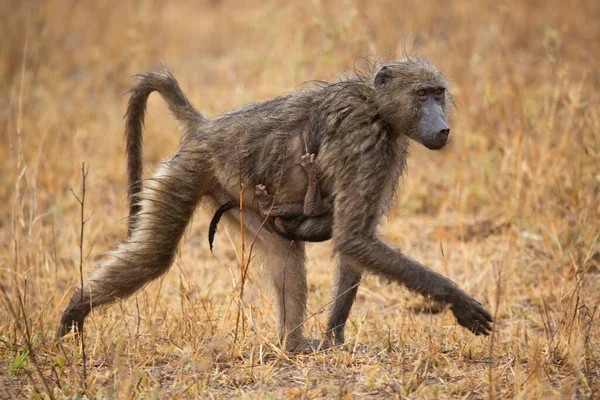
[167, 204]
[312, 199]
[309, 229]
[347, 279]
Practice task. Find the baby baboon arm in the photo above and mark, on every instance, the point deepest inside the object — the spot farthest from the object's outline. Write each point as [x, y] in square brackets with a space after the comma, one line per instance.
[356, 217]
[265, 204]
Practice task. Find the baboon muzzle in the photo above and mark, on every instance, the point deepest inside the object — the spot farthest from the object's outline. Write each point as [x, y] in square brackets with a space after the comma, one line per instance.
[433, 129]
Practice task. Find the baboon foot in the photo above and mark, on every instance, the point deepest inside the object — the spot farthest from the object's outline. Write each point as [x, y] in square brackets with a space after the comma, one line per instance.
[72, 318]
[308, 162]
[263, 198]
[308, 346]
[471, 314]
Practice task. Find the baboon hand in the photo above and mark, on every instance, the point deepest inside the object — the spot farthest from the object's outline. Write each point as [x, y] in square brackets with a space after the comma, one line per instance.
[264, 199]
[260, 191]
[307, 162]
[471, 314]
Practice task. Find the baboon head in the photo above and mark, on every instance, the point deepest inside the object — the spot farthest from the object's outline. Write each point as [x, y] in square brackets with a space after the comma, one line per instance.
[413, 98]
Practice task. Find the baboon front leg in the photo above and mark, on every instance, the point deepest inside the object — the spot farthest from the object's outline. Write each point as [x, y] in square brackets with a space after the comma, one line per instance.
[380, 259]
[347, 280]
[354, 231]
[167, 205]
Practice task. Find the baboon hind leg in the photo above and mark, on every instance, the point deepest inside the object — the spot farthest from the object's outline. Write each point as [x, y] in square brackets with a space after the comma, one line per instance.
[347, 280]
[285, 266]
[167, 205]
[285, 261]
[288, 274]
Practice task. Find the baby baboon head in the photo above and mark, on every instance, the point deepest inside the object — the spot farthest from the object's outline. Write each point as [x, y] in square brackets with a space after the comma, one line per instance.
[413, 99]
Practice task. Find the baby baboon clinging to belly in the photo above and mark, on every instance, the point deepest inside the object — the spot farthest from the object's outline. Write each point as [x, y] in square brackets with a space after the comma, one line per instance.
[309, 220]
[359, 130]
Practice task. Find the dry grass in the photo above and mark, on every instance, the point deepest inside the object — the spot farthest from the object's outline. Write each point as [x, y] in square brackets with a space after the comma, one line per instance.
[510, 210]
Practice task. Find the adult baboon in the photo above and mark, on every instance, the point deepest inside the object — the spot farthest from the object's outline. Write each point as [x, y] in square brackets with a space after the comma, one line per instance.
[310, 220]
[359, 130]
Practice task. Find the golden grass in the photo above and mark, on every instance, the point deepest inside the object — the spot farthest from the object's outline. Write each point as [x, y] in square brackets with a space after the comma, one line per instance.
[510, 210]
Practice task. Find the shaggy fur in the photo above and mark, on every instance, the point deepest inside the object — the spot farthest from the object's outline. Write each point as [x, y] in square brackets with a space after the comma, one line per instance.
[359, 130]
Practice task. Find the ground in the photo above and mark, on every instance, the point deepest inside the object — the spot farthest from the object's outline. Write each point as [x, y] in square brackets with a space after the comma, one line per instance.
[509, 209]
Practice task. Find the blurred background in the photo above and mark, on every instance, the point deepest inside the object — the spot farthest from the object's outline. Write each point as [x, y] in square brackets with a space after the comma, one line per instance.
[510, 209]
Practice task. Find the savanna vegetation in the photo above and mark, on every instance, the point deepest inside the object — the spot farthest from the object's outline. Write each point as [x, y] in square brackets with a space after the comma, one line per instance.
[510, 209]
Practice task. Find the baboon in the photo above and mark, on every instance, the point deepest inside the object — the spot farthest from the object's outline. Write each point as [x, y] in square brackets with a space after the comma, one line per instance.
[358, 128]
[310, 220]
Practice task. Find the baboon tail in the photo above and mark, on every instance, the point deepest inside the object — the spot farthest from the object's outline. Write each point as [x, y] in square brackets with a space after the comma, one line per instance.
[167, 86]
[212, 228]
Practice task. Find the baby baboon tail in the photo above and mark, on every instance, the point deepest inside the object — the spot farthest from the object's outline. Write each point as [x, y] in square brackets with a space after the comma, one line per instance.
[212, 228]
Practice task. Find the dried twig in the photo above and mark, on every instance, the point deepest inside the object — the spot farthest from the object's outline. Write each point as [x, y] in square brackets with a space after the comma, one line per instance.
[84, 220]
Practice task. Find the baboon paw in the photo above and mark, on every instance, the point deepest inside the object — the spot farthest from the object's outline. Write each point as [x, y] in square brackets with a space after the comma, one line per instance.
[70, 320]
[260, 190]
[307, 161]
[264, 199]
[472, 315]
[308, 346]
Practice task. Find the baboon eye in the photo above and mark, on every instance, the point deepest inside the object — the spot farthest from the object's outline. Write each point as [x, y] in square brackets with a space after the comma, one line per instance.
[421, 92]
[438, 91]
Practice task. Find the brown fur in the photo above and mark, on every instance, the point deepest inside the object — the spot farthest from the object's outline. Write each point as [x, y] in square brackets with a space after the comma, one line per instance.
[359, 130]
[310, 220]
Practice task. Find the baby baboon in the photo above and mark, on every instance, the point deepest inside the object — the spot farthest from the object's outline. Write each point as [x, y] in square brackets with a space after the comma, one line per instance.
[359, 130]
[310, 220]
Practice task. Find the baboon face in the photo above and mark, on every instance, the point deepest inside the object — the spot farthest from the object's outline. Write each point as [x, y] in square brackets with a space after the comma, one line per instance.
[413, 100]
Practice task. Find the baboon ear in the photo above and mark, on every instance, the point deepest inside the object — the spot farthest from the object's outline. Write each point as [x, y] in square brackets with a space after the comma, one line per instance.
[383, 76]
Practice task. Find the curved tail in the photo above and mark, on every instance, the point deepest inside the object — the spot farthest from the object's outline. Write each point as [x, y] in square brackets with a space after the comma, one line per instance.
[212, 229]
[167, 86]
